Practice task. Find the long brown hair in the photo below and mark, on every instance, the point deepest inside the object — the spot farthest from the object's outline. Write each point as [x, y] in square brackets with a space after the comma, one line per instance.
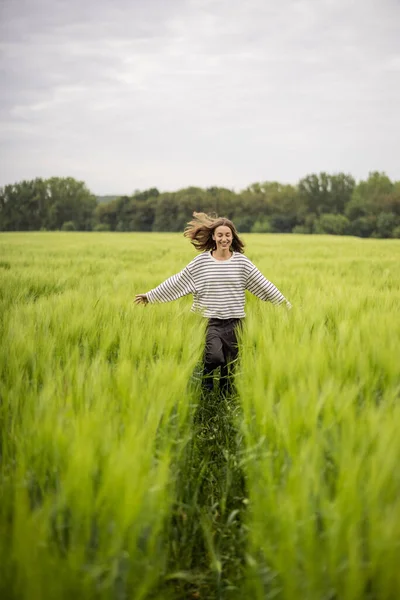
[200, 231]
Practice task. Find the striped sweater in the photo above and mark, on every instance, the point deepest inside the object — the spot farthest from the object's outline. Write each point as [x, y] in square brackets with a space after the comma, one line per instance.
[218, 286]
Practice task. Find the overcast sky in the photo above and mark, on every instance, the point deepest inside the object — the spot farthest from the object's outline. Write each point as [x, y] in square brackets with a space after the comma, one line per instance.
[130, 94]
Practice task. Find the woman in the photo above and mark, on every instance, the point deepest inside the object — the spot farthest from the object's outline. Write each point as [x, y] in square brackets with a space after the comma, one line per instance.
[217, 278]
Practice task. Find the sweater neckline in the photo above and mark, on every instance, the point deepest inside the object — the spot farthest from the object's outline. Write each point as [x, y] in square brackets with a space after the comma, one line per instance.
[221, 261]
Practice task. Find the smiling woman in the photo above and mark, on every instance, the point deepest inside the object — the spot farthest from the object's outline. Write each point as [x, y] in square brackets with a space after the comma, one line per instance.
[217, 278]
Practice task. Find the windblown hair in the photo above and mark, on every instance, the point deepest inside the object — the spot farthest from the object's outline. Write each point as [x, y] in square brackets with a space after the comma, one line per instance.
[200, 231]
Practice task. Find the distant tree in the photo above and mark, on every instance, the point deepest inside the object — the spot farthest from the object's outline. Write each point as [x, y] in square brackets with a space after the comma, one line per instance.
[386, 223]
[254, 203]
[24, 206]
[321, 203]
[390, 202]
[188, 200]
[282, 223]
[244, 223]
[70, 201]
[107, 215]
[332, 224]
[307, 224]
[137, 212]
[325, 193]
[220, 201]
[368, 196]
[311, 190]
[243, 215]
[125, 210]
[363, 226]
[284, 200]
[166, 212]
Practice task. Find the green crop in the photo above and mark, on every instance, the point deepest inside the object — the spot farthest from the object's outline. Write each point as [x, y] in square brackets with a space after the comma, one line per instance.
[118, 480]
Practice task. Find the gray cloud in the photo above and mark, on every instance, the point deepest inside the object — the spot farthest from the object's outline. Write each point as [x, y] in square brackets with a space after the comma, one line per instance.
[129, 94]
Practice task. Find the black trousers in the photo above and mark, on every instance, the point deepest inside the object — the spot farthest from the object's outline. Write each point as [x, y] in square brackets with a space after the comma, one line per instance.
[221, 350]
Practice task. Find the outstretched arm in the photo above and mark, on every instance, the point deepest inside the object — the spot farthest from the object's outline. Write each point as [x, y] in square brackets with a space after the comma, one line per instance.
[264, 289]
[172, 288]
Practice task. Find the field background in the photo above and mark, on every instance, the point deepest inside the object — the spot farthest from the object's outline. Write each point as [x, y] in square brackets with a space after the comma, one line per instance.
[118, 482]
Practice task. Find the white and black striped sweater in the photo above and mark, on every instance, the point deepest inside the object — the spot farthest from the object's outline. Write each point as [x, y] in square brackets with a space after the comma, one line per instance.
[218, 286]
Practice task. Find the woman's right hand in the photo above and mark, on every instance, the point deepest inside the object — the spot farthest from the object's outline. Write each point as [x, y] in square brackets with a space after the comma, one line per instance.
[141, 299]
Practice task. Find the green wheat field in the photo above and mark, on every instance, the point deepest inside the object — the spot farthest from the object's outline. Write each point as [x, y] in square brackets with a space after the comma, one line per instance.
[119, 481]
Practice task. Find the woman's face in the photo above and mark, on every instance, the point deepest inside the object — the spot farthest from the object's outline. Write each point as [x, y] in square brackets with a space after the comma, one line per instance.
[223, 237]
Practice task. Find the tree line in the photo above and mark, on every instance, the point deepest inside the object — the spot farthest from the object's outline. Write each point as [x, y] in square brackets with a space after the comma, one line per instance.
[319, 203]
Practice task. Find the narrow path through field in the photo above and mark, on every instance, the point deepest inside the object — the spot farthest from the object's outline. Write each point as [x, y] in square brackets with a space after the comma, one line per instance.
[207, 537]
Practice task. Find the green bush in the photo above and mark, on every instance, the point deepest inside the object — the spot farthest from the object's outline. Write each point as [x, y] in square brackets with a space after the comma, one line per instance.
[362, 226]
[101, 227]
[396, 232]
[68, 226]
[262, 226]
[385, 224]
[332, 224]
[300, 229]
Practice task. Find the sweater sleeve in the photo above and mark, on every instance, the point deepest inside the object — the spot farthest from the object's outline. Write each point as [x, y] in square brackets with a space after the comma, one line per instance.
[173, 288]
[264, 289]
